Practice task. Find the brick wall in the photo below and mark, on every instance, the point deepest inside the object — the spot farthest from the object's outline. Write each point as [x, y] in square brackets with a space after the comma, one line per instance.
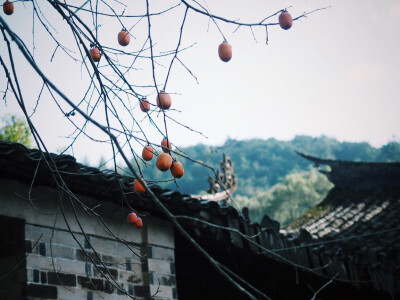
[161, 259]
[57, 267]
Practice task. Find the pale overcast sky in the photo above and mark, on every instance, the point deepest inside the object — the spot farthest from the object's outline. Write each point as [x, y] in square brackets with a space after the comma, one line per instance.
[334, 73]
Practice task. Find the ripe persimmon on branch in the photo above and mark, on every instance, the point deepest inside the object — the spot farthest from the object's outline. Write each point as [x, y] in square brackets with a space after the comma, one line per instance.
[118, 83]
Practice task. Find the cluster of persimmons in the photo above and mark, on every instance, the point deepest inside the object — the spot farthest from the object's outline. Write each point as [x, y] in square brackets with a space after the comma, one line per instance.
[164, 160]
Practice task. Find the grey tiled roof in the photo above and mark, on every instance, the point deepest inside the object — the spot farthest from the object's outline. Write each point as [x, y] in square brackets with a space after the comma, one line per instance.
[358, 222]
[23, 164]
[354, 232]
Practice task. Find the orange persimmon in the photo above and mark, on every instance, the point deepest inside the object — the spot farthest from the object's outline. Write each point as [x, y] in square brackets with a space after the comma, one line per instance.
[131, 218]
[166, 145]
[124, 38]
[164, 162]
[139, 223]
[8, 8]
[148, 153]
[144, 105]
[138, 187]
[177, 169]
[225, 51]
[95, 54]
[163, 100]
[285, 20]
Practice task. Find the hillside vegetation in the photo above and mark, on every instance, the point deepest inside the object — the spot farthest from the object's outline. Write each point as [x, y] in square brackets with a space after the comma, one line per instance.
[272, 178]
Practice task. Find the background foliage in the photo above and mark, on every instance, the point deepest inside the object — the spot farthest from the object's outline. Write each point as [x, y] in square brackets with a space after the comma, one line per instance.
[272, 178]
[15, 130]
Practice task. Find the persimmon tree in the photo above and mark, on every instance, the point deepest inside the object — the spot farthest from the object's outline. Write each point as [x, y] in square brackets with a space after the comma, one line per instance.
[106, 70]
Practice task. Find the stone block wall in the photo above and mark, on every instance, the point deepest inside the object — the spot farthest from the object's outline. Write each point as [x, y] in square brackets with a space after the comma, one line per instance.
[160, 264]
[58, 268]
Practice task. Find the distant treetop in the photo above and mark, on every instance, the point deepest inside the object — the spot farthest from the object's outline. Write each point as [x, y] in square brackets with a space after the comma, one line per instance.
[15, 130]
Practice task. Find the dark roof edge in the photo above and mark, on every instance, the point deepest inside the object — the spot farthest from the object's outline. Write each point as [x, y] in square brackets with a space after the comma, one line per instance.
[359, 175]
[23, 164]
[336, 162]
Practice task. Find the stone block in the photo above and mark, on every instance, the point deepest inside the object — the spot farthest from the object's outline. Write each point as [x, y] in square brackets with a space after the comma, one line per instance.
[109, 288]
[91, 283]
[28, 246]
[160, 232]
[102, 272]
[130, 290]
[36, 233]
[130, 277]
[65, 238]
[128, 265]
[63, 279]
[35, 261]
[162, 279]
[114, 261]
[29, 274]
[62, 251]
[105, 296]
[88, 269]
[43, 277]
[42, 291]
[70, 266]
[36, 276]
[162, 253]
[122, 290]
[42, 249]
[102, 245]
[159, 266]
[83, 256]
[131, 251]
[161, 291]
[135, 266]
[71, 294]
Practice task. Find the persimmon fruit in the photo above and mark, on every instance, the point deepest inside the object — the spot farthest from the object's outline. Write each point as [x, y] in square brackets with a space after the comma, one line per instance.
[124, 38]
[163, 100]
[95, 54]
[164, 162]
[138, 187]
[225, 51]
[177, 169]
[166, 145]
[144, 105]
[285, 20]
[139, 223]
[8, 8]
[132, 218]
[148, 153]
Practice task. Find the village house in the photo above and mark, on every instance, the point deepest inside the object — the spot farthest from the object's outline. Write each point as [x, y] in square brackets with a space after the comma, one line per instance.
[64, 235]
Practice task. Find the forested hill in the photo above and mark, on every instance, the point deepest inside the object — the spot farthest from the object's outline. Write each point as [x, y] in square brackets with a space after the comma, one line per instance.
[260, 164]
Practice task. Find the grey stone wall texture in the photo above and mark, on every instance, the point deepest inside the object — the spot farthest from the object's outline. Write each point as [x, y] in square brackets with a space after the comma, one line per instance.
[63, 263]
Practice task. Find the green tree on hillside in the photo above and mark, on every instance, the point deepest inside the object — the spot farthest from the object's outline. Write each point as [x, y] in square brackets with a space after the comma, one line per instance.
[260, 164]
[272, 178]
[15, 130]
[390, 152]
[288, 200]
